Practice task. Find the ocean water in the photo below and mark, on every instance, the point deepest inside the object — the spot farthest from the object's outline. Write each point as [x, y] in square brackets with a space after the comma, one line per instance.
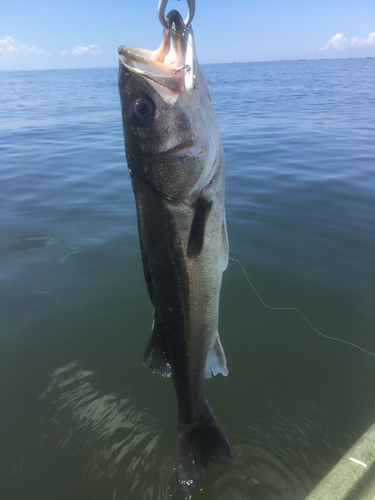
[81, 418]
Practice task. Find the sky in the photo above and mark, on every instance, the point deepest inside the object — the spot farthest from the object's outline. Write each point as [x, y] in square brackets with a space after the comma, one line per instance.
[48, 34]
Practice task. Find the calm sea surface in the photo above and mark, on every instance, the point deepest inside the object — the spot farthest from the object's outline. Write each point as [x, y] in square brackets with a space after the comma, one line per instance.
[81, 418]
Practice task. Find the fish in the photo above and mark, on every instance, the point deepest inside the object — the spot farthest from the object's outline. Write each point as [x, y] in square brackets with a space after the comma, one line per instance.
[176, 164]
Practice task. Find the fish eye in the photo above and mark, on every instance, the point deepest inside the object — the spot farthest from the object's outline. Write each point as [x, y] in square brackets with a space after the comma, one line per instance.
[143, 109]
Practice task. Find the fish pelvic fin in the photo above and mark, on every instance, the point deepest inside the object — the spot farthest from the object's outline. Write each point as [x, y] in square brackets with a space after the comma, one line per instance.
[159, 363]
[196, 444]
[218, 362]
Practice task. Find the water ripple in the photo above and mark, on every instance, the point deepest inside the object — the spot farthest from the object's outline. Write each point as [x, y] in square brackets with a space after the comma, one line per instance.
[108, 437]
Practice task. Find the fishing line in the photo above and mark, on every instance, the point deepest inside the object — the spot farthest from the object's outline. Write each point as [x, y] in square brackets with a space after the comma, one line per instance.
[299, 312]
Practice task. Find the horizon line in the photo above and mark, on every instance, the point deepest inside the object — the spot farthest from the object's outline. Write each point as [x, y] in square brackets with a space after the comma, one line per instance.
[209, 63]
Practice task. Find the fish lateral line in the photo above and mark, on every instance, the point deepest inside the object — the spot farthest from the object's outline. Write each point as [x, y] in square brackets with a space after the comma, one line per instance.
[299, 312]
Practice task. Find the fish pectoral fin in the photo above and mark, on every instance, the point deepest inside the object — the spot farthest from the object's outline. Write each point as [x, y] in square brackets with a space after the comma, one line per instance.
[218, 362]
[159, 363]
[202, 208]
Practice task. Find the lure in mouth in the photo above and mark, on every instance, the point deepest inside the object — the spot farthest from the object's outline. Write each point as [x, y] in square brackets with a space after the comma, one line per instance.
[172, 65]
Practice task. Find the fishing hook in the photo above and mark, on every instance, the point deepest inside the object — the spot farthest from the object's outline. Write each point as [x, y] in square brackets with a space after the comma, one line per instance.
[161, 12]
[186, 66]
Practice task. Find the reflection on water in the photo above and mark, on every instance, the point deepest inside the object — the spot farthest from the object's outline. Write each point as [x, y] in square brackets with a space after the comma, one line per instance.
[115, 444]
[107, 436]
[279, 447]
[67, 257]
[280, 461]
[29, 243]
[38, 304]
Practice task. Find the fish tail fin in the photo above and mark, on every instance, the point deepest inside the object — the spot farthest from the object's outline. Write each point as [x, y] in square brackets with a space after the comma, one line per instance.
[196, 444]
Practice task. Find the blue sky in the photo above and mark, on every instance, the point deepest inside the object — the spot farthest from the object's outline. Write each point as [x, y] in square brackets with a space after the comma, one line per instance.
[47, 34]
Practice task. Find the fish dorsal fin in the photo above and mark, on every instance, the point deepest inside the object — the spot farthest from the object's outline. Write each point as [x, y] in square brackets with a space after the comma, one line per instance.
[218, 362]
[159, 363]
[202, 208]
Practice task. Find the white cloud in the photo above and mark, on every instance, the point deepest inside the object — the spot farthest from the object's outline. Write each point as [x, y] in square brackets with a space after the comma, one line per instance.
[339, 42]
[367, 41]
[91, 49]
[9, 47]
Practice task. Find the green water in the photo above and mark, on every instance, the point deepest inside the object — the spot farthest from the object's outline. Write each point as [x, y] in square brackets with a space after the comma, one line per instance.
[81, 417]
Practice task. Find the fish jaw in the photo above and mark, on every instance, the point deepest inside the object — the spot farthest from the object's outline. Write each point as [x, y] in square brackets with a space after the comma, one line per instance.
[165, 67]
[160, 75]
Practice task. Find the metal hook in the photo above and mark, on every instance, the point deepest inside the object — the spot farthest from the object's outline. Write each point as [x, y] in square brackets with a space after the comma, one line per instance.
[185, 66]
[161, 12]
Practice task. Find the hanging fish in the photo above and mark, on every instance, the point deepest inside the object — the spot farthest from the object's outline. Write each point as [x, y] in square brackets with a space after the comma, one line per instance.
[176, 164]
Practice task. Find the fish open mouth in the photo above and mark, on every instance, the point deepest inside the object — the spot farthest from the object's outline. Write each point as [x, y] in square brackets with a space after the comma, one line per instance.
[167, 65]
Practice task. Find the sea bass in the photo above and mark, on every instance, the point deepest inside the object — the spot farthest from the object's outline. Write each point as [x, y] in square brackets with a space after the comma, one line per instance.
[176, 164]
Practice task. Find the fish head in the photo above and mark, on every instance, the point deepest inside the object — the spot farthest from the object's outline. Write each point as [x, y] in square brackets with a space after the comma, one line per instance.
[170, 127]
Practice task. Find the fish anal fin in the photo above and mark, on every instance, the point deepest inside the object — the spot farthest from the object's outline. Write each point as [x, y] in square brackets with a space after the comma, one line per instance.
[218, 362]
[159, 363]
[202, 208]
